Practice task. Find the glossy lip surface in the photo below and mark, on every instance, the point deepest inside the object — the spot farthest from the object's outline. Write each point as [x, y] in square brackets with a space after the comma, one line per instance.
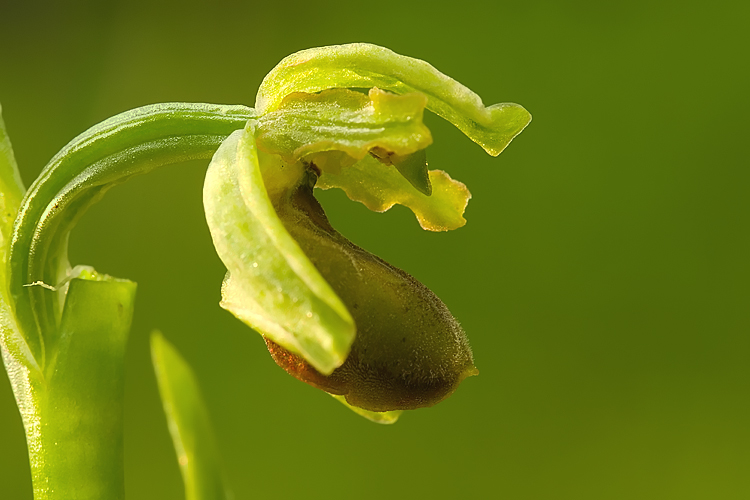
[409, 351]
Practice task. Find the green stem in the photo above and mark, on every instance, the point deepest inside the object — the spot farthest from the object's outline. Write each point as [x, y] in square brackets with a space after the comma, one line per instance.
[71, 393]
[75, 433]
[131, 143]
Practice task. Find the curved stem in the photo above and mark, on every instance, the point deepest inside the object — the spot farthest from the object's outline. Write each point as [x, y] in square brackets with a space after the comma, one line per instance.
[130, 143]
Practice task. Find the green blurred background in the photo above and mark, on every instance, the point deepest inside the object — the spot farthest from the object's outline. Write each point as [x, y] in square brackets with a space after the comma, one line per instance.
[602, 276]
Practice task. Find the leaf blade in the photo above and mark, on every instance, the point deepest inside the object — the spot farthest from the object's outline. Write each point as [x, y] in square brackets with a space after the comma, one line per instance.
[11, 186]
[17, 355]
[189, 424]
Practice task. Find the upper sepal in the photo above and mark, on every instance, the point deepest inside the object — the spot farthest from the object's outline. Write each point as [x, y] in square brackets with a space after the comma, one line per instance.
[11, 190]
[20, 352]
[362, 65]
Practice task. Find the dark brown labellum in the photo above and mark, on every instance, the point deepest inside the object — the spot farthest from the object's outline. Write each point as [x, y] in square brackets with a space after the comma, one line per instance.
[409, 351]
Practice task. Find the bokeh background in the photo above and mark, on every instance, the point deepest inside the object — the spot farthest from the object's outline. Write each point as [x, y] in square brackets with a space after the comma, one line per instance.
[602, 276]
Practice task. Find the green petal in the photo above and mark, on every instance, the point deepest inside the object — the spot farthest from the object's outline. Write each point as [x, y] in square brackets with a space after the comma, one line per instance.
[343, 120]
[361, 65]
[379, 417]
[271, 285]
[379, 187]
[189, 424]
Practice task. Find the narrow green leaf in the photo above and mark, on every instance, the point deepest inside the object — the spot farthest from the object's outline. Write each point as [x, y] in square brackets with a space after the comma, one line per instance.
[11, 191]
[189, 424]
[362, 65]
[271, 284]
[379, 187]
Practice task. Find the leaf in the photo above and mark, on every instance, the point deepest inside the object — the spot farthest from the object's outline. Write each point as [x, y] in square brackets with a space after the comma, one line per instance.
[271, 285]
[18, 359]
[380, 186]
[362, 65]
[75, 427]
[11, 191]
[189, 424]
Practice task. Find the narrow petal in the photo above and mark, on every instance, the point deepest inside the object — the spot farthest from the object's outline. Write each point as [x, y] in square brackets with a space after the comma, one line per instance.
[380, 186]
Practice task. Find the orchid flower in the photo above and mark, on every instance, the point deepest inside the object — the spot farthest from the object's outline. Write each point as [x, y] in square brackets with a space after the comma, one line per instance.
[332, 314]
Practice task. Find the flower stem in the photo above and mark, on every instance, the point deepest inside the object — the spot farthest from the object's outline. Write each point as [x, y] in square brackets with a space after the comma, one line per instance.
[75, 433]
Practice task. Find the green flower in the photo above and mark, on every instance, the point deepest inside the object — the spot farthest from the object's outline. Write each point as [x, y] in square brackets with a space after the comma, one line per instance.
[334, 315]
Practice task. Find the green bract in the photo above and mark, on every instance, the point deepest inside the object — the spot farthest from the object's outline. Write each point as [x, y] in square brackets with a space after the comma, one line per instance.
[332, 314]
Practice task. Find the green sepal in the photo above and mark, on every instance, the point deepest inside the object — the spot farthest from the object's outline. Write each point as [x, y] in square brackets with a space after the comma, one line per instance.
[271, 285]
[189, 424]
[362, 65]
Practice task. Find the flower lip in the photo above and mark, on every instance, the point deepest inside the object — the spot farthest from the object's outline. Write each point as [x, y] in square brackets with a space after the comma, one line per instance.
[409, 352]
